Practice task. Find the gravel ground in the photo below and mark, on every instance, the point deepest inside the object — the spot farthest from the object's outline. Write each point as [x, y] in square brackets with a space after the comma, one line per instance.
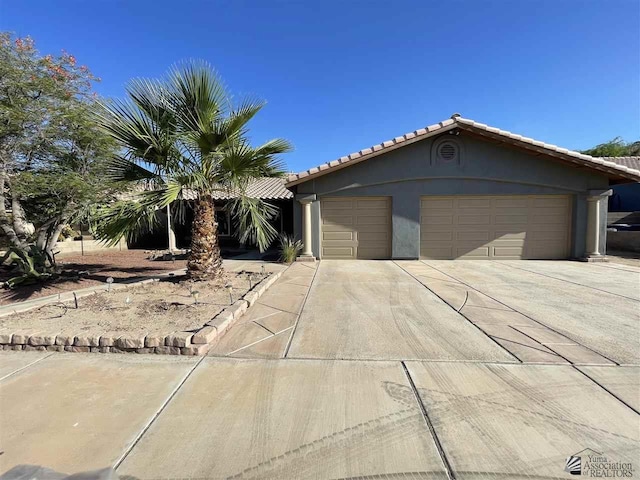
[121, 265]
[163, 307]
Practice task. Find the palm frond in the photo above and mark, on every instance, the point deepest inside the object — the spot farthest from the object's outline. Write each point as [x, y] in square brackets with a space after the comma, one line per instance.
[234, 125]
[241, 163]
[199, 97]
[251, 218]
[124, 219]
[120, 169]
[267, 155]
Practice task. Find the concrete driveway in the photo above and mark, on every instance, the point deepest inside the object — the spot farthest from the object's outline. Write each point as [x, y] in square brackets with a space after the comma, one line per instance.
[377, 311]
[459, 370]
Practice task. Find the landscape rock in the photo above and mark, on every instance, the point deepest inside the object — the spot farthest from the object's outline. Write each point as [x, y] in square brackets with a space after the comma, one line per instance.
[33, 348]
[178, 339]
[20, 338]
[251, 297]
[270, 280]
[238, 308]
[64, 339]
[42, 339]
[222, 322]
[205, 335]
[130, 341]
[107, 340]
[195, 350]
[167, 350]
[74, 349]
[154, 341]
[87, 341]
[222, 317]
[55, 348]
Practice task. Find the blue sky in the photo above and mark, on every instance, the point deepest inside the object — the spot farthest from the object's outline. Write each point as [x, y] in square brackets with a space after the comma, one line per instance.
[340, 76]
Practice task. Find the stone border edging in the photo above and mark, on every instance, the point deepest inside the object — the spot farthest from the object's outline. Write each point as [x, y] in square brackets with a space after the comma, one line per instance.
[176, 343]
[218, 325]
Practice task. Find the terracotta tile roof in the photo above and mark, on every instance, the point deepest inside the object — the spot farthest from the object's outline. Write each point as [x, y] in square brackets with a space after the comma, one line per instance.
[266, 188]
[630, 162]
[613, 168]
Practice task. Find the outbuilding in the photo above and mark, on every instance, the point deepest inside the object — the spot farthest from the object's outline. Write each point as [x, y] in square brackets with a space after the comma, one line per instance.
[457, 190]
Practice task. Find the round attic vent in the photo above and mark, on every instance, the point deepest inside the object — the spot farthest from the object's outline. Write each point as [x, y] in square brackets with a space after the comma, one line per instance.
[447, 151]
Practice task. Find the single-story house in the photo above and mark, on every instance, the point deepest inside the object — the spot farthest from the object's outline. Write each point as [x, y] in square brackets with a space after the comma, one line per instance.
[457, 189]
[269, 189]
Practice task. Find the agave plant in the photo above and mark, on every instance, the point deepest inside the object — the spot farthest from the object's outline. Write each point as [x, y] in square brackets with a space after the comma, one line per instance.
[30, 265]
[183, 133]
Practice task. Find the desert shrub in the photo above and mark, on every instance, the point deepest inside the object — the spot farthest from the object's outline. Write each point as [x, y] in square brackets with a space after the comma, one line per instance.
[289, 248]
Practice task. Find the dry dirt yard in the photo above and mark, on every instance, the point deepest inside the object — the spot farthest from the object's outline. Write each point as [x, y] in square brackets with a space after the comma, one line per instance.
[93, 268]
[169, 305]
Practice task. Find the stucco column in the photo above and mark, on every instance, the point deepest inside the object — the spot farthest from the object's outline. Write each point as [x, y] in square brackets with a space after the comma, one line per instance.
[170, 232]
[306, 228]
[594, 221]
[593, 226]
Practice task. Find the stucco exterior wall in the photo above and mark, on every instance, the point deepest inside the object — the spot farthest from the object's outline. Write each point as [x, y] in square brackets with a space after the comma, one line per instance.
[410, 172]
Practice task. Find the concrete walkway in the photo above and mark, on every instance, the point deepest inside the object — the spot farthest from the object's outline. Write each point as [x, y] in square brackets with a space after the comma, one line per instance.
[266, 329]
[357, 370]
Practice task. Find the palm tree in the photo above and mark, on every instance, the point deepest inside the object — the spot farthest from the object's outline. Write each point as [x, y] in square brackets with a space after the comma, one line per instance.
[180, 134]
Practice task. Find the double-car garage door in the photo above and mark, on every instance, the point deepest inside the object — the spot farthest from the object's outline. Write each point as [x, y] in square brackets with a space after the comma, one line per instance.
[495, 227]
[460, 226]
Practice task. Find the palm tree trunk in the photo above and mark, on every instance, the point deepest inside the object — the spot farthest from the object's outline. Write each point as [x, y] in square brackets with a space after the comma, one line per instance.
[205, 261]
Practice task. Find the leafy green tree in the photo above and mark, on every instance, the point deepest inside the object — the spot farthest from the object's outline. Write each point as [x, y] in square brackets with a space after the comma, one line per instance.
[52, 152]
[614, 148]
[183, 133]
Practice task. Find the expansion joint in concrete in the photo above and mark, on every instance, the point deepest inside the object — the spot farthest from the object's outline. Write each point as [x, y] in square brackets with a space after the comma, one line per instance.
[606, 390]
[459, 312]
[156, 415]
[567, 281]
[304, 302]
[427, 420]
[523, 314]
[26, 366]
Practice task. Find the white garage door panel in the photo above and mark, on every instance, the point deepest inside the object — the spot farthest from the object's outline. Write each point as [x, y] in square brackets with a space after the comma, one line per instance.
[500, 227]
[357, 227]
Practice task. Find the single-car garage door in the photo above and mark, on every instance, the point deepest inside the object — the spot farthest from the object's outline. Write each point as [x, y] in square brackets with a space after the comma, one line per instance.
[495, 227]
[356, 227]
